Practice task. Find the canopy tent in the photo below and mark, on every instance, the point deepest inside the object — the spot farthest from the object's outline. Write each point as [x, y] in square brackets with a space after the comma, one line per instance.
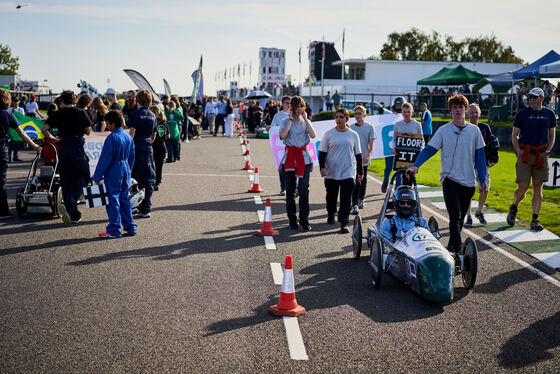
[532, 70]
[501, 83]
[436, 76]
[550, 70]
[458, 75]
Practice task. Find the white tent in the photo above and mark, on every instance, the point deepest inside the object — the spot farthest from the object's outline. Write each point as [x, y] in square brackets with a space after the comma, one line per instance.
[551, 70]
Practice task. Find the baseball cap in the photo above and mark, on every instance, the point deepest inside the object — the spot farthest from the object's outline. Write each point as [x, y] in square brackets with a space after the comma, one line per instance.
[110, 91]
[537, 92]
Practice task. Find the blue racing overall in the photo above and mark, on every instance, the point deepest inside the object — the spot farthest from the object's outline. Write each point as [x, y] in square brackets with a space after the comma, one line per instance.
[115, 163]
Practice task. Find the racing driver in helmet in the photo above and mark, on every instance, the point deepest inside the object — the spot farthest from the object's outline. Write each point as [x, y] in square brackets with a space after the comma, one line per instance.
[404, 202]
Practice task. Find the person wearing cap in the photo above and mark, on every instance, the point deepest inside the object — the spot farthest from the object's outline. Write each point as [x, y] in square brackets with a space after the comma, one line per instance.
[533, 136]
[112, 102]
[462, 159]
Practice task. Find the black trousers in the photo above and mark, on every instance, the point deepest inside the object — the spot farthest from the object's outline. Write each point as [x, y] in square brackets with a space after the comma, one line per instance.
[346, 186]
[457, 198]
[74, 173]
[4, 210]
[220, 121]
[303, 190]
[359, 191]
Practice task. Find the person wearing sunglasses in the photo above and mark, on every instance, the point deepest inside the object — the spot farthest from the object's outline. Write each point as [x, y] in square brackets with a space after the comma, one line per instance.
[533, 136]
[404, 202]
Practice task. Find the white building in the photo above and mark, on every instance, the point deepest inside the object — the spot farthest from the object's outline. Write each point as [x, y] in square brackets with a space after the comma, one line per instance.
[272, 65]
[381, 80]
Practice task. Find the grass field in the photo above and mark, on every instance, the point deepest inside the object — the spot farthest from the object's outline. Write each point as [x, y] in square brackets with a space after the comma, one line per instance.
[503, 184]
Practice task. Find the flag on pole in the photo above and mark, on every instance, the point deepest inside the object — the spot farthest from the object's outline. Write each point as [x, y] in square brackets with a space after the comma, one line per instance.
[323, 50]
[343, 37]
[197, 79]
[299, 54]
[141, 82]
[166, 88]
[29, 125]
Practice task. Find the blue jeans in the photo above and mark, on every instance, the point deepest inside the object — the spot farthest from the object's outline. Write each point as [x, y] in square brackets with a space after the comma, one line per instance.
[388, 168]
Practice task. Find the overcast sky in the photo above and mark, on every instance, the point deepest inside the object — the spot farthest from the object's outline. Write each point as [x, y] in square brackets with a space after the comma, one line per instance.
[64, 41]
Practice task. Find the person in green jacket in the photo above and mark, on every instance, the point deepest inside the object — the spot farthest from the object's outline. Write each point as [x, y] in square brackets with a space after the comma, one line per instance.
[174, 119]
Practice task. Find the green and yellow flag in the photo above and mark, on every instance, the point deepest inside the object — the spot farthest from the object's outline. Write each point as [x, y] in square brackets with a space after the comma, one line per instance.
[31, 126]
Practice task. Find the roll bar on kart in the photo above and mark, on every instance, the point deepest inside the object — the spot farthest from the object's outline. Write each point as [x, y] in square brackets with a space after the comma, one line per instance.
[388, 195]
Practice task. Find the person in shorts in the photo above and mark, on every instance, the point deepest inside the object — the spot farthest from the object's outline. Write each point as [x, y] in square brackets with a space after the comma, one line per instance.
[533, 136]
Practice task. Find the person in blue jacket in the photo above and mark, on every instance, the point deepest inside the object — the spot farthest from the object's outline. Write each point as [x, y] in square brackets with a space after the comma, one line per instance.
[143, 126]
[404, 201]
[115, 164]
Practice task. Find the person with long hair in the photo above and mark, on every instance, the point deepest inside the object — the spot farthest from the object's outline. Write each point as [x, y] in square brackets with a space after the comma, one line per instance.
[340, 160]
[296, 132]
[229, 119]
[98, 112]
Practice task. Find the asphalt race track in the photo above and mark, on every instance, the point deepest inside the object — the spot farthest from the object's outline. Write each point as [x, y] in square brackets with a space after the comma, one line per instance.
[190, 293]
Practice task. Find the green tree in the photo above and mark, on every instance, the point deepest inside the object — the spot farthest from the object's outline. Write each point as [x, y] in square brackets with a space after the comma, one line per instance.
[416, 45]
[8, 64]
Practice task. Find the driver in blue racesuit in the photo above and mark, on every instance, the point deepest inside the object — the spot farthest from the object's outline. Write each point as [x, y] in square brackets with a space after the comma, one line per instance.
[404, 202]
[115, 164]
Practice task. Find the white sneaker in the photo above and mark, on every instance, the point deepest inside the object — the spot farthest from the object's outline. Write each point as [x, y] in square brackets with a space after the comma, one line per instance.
[361, 204]
[355, 210]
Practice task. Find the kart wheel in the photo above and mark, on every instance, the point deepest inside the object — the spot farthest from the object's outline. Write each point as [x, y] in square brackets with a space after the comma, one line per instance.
[21, 206]
[434, 227]
[470, 263]
[357, 238]
[376, 262]
[57, 198]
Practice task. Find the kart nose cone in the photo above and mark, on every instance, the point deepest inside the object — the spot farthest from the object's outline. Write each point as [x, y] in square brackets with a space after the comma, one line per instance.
[436, 274]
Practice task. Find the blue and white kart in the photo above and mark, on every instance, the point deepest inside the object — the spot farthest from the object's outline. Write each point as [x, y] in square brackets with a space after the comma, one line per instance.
[418, 259]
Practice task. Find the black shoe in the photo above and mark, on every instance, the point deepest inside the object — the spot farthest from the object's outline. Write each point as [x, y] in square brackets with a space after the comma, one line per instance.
[16, 159]
[344, 228]
[306, 227]
[130, 233]
[294, 226]
[384, 186]
[330, 220]
[6, 215]
[536, 225]
[156, 187]
[511, 215]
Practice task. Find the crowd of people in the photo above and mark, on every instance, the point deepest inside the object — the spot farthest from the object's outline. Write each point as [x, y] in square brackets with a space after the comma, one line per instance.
[156, 131]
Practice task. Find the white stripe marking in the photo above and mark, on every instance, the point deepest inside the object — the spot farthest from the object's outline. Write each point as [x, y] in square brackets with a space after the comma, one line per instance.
[258, 199]
[552, 259]
[441, 204]
[523, 235]
[493, 217]
[260, 214]
[427, 194]
[269, 242]
[251, 177]
[295, 340]
[493, 246]
[277, 273]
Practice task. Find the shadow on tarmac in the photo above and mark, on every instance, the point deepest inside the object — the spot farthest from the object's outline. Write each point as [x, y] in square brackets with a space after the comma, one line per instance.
[500, 282]
[343, 281]
[57, 243]
[532, 344]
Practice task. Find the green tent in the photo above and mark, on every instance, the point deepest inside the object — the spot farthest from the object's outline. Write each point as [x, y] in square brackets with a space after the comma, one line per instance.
[436, 77]
[458, 75]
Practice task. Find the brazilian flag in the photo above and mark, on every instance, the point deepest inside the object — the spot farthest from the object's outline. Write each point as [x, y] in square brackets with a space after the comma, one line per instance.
[31, 126]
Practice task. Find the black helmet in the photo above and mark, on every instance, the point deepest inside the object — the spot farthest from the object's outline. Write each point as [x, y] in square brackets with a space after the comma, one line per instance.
[404, 201]
[396, 101]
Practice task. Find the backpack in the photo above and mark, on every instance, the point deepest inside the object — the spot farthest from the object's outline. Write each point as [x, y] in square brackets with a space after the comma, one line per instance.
[492, 150]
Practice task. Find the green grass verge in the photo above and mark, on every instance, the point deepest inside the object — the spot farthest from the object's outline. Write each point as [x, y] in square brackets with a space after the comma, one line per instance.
[502, 186]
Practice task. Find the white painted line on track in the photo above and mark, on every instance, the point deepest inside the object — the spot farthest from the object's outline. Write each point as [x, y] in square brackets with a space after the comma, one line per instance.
[513, 236]
[260, 214]
[251, 177]
[427, 194]
[277, 273]
[494, 247]
[269, 242]
[198, 175]
[295, 340]
[552, 259]
[258, 199]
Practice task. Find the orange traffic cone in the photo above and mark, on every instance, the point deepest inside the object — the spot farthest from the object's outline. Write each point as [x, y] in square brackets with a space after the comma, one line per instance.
[247, 149]
[267, 229]
[287, 305]
[248, 165]
[256, 187]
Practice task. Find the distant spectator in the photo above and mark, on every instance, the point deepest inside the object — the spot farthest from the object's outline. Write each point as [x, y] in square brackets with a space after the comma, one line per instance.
[337, 100]
[130, 105]
[426, 121]
[98, 112]
[329, 101]
[112, 102]
[32, 108]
